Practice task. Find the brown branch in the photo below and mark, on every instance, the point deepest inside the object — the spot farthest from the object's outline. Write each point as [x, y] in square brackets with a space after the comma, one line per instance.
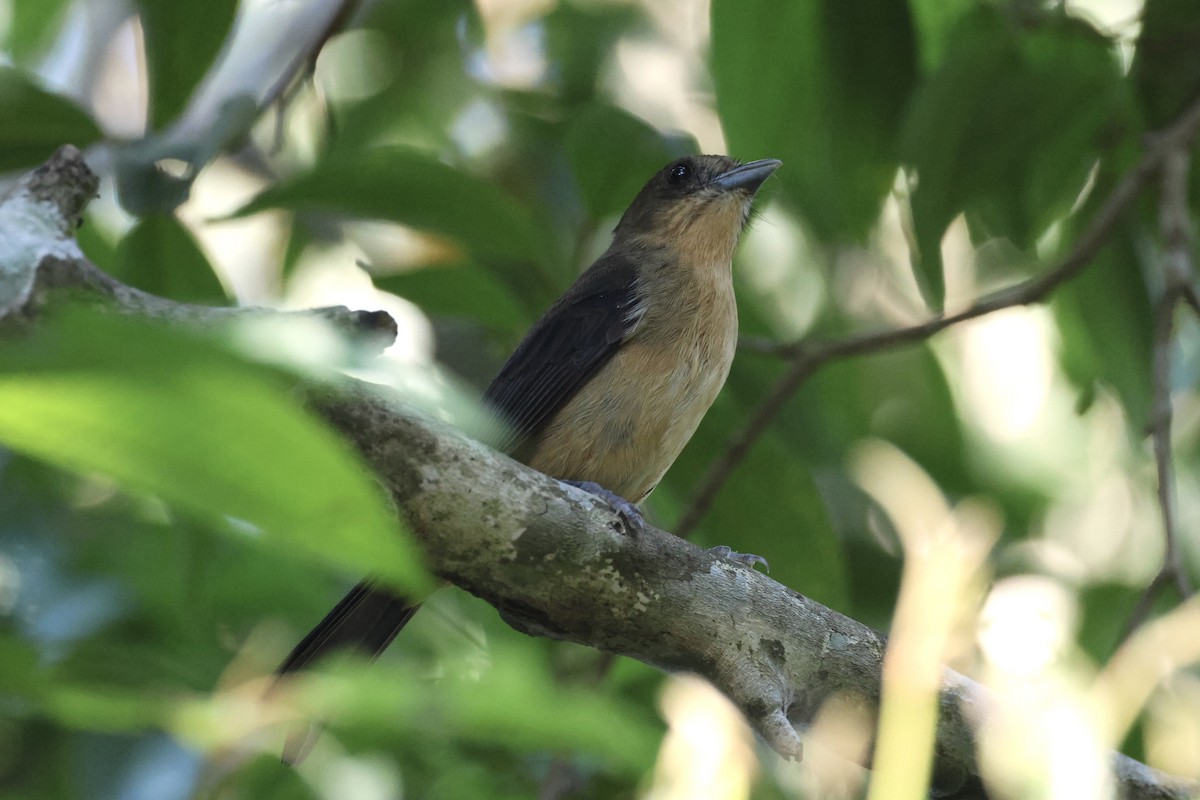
[807, 357]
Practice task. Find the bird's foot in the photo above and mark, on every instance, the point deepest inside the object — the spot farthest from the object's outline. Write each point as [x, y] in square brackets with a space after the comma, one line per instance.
[630, 515]
[745, 559]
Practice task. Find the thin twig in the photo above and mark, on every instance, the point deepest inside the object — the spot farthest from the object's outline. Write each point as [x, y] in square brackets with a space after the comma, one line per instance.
[807, 357]
[1160, 436]
[1178, 287]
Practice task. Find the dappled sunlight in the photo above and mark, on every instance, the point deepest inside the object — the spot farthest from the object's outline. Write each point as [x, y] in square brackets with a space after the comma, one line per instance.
[1039, 742]
[360, 777]
[1172, 726]
[1027, 626]
[836, 743]
[245, 252]
[1110, 529]
[331, 276]
[663, 79]
[354, 66]
[945, 552]
[1152, 654]
[708, 752]
[781, 271]
[1007, 369]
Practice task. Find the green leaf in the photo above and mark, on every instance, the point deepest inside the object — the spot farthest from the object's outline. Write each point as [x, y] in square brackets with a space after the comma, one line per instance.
[182, 419]
[1165, 68]
[613, 153]
[824, 92]
[1106, 321]
[159, 255]
[1006, 130]
[935, 21]
[181, 40]
[35, 122]
[97, 244]
[516, 700]
[458, 290]
[32, 26]
[770, 505]
[412, 188]
[580, 39]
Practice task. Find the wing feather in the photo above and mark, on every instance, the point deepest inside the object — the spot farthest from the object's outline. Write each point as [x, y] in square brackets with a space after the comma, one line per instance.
[567, 346]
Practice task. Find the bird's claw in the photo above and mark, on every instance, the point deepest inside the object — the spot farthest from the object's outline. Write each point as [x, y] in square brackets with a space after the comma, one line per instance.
[630, 515]
[745, 559]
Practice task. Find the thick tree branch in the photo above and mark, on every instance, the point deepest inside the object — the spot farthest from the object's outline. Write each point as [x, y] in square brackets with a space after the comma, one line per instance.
[555, 560]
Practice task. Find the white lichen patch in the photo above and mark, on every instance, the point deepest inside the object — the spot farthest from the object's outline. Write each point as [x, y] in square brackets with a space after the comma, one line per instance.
[611, 575]
[431, 477]
[30, 232]
[642, 602]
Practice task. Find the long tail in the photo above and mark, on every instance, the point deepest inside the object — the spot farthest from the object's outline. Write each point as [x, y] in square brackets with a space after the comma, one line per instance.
[367, 620]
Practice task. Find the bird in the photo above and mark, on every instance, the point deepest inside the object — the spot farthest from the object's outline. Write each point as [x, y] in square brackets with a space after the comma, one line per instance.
[608, 386]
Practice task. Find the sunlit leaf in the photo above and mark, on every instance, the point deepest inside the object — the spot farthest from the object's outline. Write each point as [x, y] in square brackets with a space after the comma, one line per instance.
[821, 85]
[35, 122]
[164, 414]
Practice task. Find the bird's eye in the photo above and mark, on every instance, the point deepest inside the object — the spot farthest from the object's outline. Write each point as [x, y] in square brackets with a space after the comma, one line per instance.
[679, 174]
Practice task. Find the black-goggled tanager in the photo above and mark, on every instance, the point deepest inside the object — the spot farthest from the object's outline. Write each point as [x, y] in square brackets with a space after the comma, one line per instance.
[609, 385]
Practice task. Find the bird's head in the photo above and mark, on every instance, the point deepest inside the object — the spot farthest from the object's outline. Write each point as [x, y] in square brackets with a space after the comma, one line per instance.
[695, 202]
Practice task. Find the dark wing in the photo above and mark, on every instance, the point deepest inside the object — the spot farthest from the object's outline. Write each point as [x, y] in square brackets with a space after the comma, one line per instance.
[567, 346]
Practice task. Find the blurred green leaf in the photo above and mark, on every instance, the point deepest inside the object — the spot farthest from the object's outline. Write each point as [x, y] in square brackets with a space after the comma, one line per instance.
[934, 22]
[1166, 69]
[1106, 609]
[168, 414]
[35, 122]
[784, 520]
[458, 290]
[1106, 321]
[32, 26]
[19, 668]
[160, 256]
[412, 188]
[104, 708]
[613, 154]
[1007, 129]
[825, 93]
[580, 38]
[181, 41]
[97, 243]
[781, 519]
[515, 699]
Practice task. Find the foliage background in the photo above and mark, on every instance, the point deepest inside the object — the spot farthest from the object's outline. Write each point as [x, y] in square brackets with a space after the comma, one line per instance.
[457, 164]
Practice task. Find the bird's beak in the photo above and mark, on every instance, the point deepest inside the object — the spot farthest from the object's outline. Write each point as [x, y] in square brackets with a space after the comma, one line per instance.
[747, 177]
